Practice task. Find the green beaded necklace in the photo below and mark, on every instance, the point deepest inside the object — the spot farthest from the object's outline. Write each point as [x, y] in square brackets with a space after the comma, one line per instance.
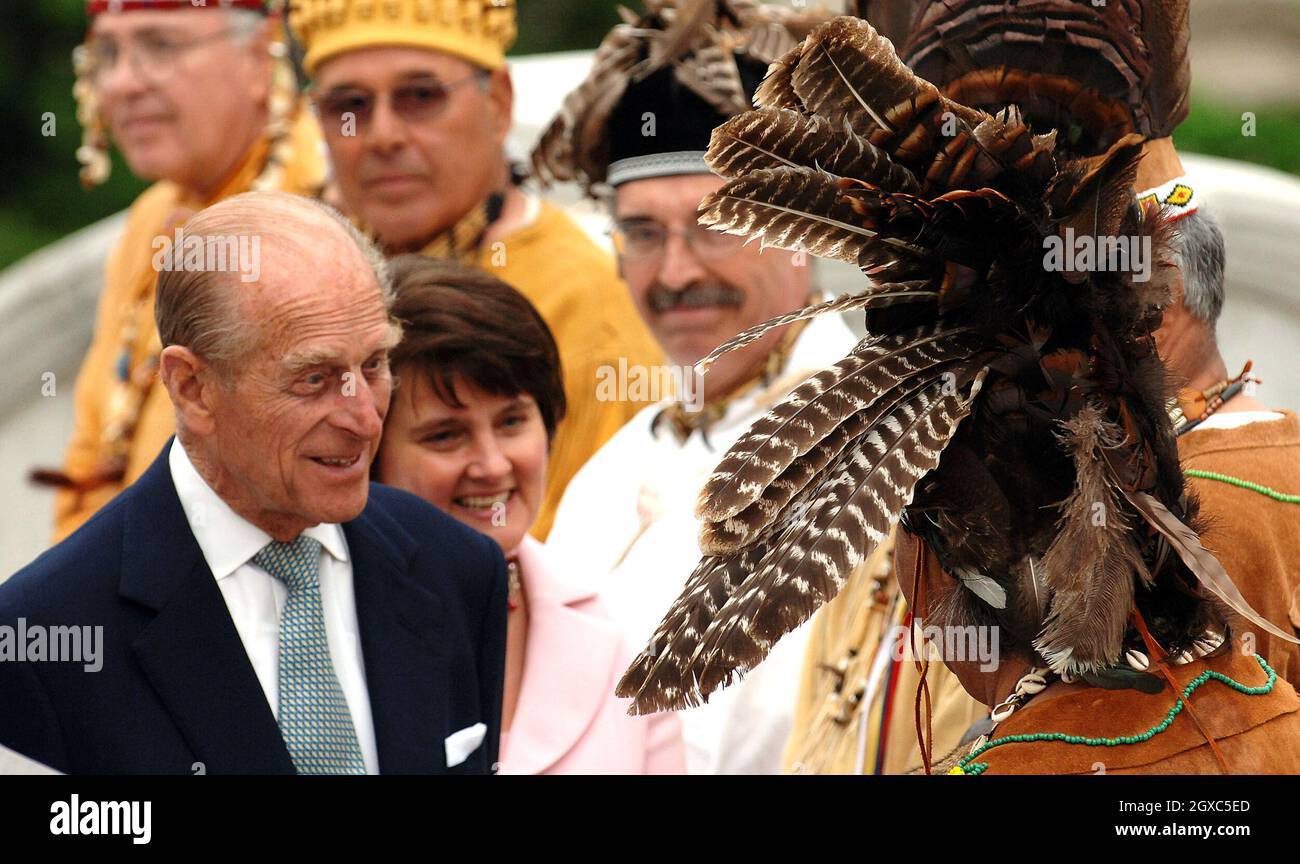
[970, 767]
[1244, 484]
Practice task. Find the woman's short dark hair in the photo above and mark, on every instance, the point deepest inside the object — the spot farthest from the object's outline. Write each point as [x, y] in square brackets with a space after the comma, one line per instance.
[458, 321]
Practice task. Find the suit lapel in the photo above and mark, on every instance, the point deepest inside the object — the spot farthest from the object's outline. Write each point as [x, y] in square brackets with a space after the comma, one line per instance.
[569, 667]
[400, 623]
[190, 652]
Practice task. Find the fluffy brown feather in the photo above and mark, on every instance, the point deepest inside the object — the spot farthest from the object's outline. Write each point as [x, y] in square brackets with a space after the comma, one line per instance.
[1094, 564]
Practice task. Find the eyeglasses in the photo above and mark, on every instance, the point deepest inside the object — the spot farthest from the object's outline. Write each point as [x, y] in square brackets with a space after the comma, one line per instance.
[153, 55]
[644, 240]
[417, 101]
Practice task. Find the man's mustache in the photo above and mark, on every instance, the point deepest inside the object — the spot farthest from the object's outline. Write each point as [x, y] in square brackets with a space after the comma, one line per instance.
[697, 295]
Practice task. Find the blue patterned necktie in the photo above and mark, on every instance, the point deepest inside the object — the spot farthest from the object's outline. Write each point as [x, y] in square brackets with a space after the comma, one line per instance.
[314, 717]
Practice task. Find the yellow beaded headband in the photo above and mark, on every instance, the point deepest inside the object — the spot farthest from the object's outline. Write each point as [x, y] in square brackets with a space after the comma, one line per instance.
[479, 31]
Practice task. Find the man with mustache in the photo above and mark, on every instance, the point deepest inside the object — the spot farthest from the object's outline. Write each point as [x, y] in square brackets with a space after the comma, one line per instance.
[415, 103]
[265, 609]
[683, 69]
[200, 98]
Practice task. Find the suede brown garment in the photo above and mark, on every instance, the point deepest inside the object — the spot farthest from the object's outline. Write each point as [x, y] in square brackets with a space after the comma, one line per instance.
[1257, 734]
[1255, 537]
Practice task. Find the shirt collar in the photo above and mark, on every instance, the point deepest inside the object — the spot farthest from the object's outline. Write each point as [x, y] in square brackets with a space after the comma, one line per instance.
[227, 539]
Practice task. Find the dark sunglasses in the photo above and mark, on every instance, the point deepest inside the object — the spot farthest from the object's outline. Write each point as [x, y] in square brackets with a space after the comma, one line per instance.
[416, 101]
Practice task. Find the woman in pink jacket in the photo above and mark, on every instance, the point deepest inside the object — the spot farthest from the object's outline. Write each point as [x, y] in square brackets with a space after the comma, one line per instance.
[477, 401]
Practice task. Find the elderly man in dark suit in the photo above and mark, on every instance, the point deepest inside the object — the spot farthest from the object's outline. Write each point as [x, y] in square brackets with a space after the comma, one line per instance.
[264, 608]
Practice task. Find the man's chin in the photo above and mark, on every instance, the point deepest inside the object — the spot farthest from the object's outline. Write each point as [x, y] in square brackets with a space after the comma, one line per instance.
[337, 505]
[407, 229]
[340, 513]
[687, 349]
[151, 162]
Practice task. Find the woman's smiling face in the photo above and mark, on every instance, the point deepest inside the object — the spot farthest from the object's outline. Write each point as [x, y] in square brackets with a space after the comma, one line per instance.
[483, 462]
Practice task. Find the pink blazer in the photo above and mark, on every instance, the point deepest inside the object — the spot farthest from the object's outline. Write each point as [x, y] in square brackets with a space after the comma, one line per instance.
[568, 720]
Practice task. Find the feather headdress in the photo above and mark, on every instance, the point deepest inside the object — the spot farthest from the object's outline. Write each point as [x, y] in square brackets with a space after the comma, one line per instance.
[1009, 409]
[705, 44]
[1094, 72]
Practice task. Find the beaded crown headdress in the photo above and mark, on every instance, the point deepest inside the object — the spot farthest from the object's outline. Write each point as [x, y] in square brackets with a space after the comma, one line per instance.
[480, 31]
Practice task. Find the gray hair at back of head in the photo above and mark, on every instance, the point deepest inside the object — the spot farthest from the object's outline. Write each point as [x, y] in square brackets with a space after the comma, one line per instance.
[196, 309]
[1199, 244]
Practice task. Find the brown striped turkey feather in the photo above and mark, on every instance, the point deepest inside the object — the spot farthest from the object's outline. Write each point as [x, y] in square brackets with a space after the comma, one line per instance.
[994, 402]
[1094, 72]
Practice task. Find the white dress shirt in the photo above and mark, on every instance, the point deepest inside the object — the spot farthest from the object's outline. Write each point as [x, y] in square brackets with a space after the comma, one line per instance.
[255, 598]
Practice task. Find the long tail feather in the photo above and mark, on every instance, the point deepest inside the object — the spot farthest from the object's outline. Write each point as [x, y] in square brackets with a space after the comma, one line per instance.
[804, 476]
[857, 510]
[814, 408]
[790, 208]
[792, 579]
[666, 659]
[847, 71]
[777, 137]
[1207, 569]
[843, 303]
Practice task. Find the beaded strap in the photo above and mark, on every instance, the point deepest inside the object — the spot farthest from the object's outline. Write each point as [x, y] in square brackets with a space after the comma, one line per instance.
[1244, 484]
[969, 767]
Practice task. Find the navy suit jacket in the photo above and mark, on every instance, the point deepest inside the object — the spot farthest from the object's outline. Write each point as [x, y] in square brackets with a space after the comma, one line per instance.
[177, 688]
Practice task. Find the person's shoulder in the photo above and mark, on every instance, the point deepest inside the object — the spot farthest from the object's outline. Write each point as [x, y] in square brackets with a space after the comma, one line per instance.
[152, 206]
[145, 220]
[559, 242]
[610, 474]
[555, 221]
[77, 571]
[550, 576]
[437, 552]
[425, 524]
[417, 516]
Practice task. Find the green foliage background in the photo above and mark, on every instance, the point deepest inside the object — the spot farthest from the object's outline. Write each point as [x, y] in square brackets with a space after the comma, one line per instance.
[41, 199]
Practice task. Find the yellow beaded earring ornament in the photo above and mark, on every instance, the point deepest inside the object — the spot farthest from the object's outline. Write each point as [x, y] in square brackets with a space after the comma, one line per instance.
[93, 152]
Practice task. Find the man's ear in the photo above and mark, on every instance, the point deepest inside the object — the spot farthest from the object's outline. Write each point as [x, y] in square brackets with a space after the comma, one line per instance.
[501, 97]
[259, 48]
[191, 384]
[1177, 288]
[611, 210]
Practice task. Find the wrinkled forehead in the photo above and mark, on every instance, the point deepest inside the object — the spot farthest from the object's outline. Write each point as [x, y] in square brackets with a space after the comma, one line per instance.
[383, 66]
[198, 21]
[305, 328]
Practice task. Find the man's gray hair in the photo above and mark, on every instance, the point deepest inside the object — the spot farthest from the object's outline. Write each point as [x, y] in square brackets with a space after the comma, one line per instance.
[1199, 244]
[244, 24]
[198, 308]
